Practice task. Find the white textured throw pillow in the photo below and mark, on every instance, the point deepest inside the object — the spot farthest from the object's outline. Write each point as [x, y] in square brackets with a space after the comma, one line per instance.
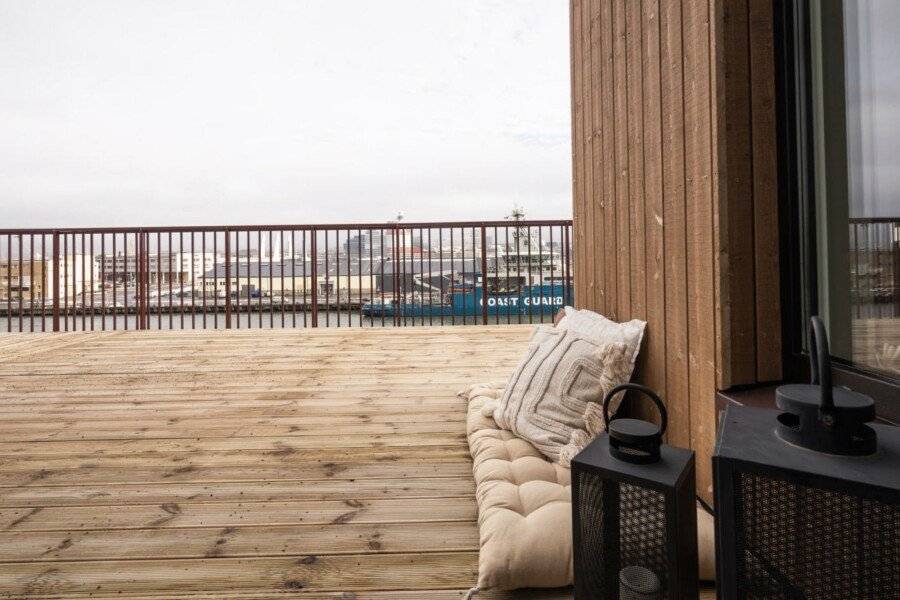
[554, 396]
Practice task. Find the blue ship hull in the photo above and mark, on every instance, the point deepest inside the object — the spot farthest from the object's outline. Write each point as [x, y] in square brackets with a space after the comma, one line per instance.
[544, 299]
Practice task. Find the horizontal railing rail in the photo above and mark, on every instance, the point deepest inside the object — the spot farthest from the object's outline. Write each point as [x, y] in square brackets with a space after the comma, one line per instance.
[255, 276]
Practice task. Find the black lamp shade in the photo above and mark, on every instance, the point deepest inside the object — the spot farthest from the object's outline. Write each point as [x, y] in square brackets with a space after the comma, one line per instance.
[634, 517]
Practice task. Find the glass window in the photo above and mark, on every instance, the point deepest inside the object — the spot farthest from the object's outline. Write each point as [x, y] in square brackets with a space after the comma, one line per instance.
[854, 102]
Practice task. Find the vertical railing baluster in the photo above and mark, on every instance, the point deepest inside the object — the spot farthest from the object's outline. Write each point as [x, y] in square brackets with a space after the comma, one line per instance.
[305, 296]
[249, 286]
[227, 279]
[31, 281]
[9, 276]
[271, 285]
[540, 266]
[462, 252]
[215, 239]
[103, 282]
[236, 277]
[21, 277]
[430, 280]
[337, 273]
[452, 292]
[125, 270]
[281, 271]
[497, 308]
[181, 281]
[313, 242]
[484, 278]
[115, 299]
[203, 277]
[359, 262]
[259, 276]
[568, 261]
[45, 281]
[194, 282]
[553, 308]
[327, 284]
[383, 281]
[56, 279]
[441, 263]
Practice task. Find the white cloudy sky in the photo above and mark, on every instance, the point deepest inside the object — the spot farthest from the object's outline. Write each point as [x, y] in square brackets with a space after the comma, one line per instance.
[127, 112]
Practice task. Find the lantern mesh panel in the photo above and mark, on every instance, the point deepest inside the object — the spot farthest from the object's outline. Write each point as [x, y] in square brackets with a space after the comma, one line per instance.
[593, 556]
[796, 541]
[642, 533]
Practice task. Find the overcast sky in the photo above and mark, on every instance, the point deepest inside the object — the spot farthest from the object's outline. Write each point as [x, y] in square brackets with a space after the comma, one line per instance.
[127, 112]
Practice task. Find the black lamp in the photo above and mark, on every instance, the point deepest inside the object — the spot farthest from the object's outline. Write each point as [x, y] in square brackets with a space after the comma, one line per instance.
[808, 499]
[634, 512]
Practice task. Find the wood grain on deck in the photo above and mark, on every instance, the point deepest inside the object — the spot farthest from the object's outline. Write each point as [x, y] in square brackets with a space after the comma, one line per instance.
[243, 464]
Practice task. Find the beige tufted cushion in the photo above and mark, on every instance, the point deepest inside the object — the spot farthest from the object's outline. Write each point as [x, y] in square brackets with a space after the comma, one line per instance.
[525, 506]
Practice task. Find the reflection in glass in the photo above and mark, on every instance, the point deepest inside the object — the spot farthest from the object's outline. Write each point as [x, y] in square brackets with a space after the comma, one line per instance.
[856, 123]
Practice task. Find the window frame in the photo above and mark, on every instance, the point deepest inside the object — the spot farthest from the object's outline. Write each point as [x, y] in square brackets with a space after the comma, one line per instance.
[796, 192]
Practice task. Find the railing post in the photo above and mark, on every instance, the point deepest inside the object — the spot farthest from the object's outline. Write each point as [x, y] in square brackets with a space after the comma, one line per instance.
[484, 283]
[315, 276]
[56, 281]
[228, 278]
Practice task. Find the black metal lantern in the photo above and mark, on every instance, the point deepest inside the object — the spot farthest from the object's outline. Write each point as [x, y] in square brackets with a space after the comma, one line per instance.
[634, 512]
[808, 499]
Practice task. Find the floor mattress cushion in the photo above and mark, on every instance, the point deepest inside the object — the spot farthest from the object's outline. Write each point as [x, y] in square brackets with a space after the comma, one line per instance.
[525, 507]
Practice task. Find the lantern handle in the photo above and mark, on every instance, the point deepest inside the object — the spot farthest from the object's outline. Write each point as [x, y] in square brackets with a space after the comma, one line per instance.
[663, 414]
[820, 362]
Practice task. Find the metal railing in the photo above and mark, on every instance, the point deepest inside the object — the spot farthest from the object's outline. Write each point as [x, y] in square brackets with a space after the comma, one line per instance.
[256, 276]
[875, 267]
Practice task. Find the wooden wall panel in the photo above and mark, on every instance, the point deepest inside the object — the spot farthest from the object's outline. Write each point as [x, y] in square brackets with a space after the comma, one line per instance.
[702, 232]
[653, 199]
[765, 192]
[674, 223]
[607, 199]
[675, 201]
[580, 199]
[620, 159]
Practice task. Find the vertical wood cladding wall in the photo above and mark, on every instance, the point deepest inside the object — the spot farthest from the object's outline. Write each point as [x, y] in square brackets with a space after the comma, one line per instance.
[673, 133]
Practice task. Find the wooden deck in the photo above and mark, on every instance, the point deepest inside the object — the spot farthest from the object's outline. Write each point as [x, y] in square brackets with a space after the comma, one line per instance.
[314, 463]
[326, 463]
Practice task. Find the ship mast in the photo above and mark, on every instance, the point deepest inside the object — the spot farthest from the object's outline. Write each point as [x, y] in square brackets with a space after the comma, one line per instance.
[520, 234]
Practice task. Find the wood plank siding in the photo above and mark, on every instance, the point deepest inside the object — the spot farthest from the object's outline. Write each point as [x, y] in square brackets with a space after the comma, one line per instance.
[675, 199]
